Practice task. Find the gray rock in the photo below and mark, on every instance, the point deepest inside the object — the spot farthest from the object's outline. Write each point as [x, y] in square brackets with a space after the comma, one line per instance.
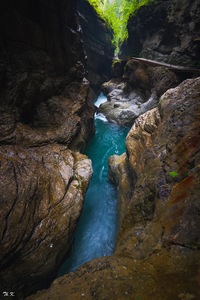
[166, 31]
[125, 110]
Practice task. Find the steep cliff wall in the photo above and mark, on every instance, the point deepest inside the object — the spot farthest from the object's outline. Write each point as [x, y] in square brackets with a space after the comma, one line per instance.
[166, 31]
[98, 46]
[43, 113]
[41, 55]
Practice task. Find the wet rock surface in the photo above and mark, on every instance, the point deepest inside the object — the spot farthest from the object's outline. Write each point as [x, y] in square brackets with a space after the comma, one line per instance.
[43, 90]
[157, 253]
[136, 92]
[164, 31]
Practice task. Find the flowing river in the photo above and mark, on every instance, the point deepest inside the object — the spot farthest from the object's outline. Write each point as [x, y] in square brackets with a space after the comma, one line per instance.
[96, 231]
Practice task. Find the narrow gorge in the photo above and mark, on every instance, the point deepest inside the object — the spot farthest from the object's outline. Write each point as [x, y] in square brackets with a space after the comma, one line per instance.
[99, 200]
[97, 227]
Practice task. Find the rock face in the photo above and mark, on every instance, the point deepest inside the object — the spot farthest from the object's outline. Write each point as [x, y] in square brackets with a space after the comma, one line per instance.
[42, 71]
[97, 38]
[158, 248]
[42, 191]
[166, 31]
[44, 112]
[136, 91]
[162, 150]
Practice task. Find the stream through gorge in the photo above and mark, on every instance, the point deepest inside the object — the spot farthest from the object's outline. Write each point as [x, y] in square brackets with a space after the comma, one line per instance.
[96, 231]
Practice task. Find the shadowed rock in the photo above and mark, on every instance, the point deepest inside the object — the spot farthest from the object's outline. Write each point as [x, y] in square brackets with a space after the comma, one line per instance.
[44, 112]
[97, 38]
[167, 31]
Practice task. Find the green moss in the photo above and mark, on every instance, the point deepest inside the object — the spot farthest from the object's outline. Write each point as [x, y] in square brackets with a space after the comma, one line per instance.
[116, 14]
[173, 174]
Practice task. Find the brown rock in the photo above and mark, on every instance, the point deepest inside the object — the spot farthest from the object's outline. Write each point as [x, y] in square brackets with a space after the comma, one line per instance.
[163, 209]
[42, 192]
[43, 90]
[44, 112]
[159, 277]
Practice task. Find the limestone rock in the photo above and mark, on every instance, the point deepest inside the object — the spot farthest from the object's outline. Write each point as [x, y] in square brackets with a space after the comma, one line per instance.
[120, 173]
[165, 31]
[124, 110]
[149, 79]
[123, 106]
[137, 92]
[163, 152]
[42, 192]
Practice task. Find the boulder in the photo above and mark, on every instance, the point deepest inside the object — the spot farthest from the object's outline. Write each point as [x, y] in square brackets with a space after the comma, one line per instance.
[137, 92]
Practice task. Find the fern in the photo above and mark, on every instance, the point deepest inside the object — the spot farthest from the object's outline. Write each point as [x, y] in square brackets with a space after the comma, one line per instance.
[116, 14]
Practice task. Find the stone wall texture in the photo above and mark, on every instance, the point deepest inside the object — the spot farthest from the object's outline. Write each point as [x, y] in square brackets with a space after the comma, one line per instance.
[166, 31]
[43, 114]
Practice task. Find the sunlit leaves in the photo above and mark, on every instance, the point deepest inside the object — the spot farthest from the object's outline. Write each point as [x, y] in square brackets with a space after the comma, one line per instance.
[116, 14]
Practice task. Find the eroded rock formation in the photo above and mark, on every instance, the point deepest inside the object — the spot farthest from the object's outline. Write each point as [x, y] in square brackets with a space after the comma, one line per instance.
[166, 31]
[135, 91]
[42, 191]
[44, 112]
[157, 253]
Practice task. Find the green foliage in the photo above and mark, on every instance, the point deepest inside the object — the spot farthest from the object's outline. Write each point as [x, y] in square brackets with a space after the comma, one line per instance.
[116, 14]
[173, 174]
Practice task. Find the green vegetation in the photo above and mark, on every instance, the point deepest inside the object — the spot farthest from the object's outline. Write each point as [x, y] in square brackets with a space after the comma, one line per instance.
[116, 14]
[173, 174]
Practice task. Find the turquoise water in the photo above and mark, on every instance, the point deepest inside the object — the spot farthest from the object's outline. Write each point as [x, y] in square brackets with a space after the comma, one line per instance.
[98, 224]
